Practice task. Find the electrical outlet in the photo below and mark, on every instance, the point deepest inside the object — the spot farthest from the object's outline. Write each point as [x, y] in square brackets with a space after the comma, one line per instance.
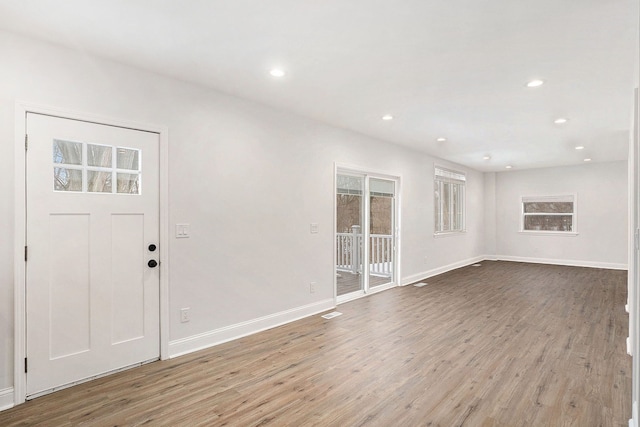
[312, 287]
[185, 316]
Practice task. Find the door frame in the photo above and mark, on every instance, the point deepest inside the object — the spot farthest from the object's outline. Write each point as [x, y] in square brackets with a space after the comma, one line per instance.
[20, 177]
[368, 173]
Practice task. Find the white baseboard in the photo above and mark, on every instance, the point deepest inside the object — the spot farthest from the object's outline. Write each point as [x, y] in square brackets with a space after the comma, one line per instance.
[434, 272]
[6, 398]
[569, 262]
[228, 333]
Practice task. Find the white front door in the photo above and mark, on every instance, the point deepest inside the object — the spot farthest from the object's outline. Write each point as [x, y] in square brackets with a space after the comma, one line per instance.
[92, 288]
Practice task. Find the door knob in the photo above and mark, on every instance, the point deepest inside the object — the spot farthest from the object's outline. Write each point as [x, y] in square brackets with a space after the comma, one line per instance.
[152, 263]
[152, 247]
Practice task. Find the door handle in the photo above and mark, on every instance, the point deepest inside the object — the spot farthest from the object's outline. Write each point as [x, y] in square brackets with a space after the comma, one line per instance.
[152, 263]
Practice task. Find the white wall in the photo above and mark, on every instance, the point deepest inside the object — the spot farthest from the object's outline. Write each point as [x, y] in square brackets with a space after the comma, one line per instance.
[601, 190]
[249, 179]
[490, 214]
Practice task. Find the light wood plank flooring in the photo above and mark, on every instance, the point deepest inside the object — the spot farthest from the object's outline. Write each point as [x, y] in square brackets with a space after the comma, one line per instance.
[504, 344]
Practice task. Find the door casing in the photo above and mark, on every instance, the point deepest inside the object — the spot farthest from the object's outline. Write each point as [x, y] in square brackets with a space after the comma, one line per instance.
[21, 110]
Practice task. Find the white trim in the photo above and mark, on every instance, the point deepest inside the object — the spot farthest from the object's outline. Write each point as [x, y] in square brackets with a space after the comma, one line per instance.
[333, 237]
[6, 398]
[19, 218]
[439, 234]
[633, 422]
[204, 340]
[341, 299]
[568, 262]
[359, 294]
[21, 110]
[571, 197]
[549, 233]
[439, 270]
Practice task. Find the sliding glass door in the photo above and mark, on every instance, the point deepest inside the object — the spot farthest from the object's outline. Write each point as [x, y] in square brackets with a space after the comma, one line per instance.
[381, 231]
[349, 233]
[365, 234]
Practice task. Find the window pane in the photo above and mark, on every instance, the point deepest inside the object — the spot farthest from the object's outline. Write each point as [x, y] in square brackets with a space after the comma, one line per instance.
[67, 179]
[548, 207]
[128, 183]
[67, 152]
[454, 207]
[128, 159]
[458, 207]
[99, 155]
[99, 182]
[437, 206]
[548, 222]
[446, 207]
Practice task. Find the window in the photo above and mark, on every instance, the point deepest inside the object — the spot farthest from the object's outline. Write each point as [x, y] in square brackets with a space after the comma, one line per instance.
[93, 168]
[555, 214]
[449, 201]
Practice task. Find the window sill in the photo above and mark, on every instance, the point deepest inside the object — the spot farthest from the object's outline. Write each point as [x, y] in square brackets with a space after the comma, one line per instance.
[449, 233]
[549, 233]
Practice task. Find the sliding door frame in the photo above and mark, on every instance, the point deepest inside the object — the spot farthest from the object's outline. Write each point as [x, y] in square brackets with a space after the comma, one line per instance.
[367, 173]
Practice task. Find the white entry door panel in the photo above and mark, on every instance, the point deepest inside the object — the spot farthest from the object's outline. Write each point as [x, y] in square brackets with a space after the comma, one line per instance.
[92, 297]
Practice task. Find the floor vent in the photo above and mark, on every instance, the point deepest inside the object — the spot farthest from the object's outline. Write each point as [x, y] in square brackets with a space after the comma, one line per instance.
[331, 315]
[476, 265]
[420, 284]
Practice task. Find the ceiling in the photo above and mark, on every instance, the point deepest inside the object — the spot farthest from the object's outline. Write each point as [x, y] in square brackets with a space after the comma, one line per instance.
[456, 69]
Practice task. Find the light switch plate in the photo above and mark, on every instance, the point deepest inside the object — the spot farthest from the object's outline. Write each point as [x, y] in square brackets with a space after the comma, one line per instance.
[314, 227]
[182, 231]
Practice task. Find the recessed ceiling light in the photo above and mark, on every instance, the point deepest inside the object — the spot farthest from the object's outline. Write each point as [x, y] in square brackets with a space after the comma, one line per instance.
[508, 167]
[486, 158]
[560, 121]
[535, 83]
[441, 139]
[587, 159]
[579, 147]
[277, 72]
[387, 117]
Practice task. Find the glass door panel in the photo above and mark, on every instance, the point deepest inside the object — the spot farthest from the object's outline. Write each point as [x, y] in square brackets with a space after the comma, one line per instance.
[349, 233]
[381, 231]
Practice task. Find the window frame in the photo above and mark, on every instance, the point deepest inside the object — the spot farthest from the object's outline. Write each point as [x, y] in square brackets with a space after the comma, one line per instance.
[85, 168]
[566, 197]
[445, 176]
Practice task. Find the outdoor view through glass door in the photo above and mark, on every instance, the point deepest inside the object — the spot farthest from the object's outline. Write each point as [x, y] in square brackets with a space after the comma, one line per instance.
[381, 237]
[365, 224]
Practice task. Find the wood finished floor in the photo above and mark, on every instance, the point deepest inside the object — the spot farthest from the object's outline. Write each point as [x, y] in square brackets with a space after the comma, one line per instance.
[504, 344]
